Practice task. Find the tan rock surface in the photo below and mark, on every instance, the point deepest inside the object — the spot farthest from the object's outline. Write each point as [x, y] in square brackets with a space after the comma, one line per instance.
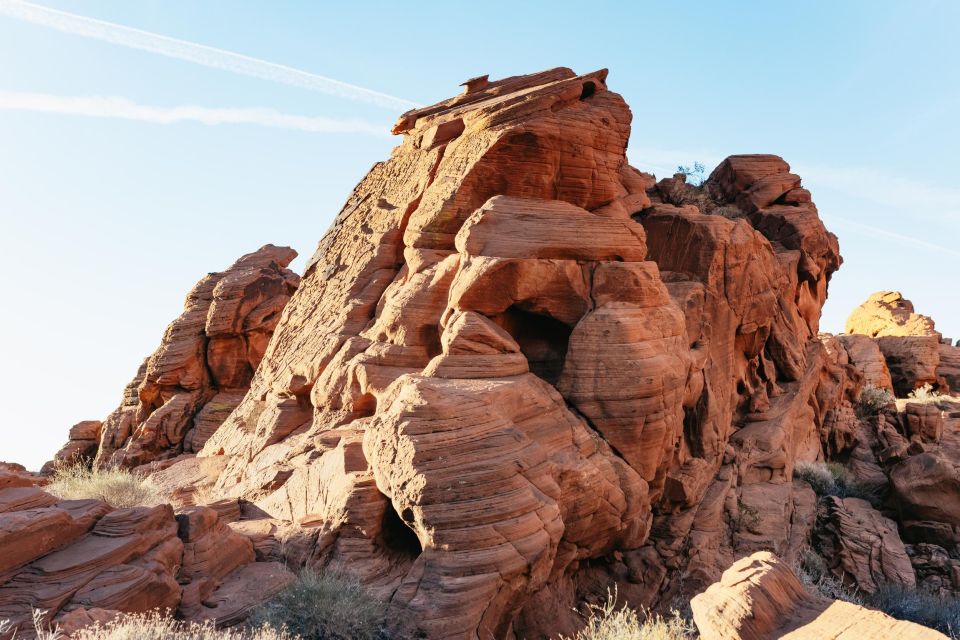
[760, 598]
[888, 313]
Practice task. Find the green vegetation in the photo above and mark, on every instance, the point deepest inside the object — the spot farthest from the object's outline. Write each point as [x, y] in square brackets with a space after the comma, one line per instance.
[696, 176]
[324, 607]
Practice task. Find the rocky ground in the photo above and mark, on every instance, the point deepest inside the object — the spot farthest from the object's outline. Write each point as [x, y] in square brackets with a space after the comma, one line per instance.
[516, 372]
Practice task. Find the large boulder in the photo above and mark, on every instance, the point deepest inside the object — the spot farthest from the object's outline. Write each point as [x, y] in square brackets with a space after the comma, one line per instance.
[888, 313]
[760, 598]
[908, 340]
[82, 562]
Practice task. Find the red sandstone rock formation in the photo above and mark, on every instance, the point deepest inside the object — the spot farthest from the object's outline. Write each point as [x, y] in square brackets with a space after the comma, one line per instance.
[81, 561]
[759, 598]
[201, 369]
[518, 370]
[513, 355]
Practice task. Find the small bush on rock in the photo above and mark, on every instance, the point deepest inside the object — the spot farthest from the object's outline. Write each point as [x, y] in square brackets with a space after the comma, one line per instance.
[117, 487]
[817, 475]
[872, 400]
[324, 607]
[696, 175]
[815, 576]
[607, 622]
[833, 479]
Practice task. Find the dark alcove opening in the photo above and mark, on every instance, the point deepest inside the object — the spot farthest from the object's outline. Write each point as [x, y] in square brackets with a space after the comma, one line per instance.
[398, 537]
[589, 88]
[542, 339]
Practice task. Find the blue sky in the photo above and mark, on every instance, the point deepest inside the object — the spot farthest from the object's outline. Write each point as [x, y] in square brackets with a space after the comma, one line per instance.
[105, 223]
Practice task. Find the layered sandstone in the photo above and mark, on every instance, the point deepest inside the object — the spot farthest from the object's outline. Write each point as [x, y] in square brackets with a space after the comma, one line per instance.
[517, 371]
[915, 352]
[82, 561]
[760, 598]
[201, 369]
[517, 367]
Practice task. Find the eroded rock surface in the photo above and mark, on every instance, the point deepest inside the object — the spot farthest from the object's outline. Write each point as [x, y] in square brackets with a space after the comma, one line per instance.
[517, 371]
[760, 598]
[201, 369]
[83, 562]
[517, 367]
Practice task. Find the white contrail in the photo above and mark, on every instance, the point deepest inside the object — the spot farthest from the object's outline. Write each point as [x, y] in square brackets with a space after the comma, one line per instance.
[116, 107]
[196, 53]
[886, 233]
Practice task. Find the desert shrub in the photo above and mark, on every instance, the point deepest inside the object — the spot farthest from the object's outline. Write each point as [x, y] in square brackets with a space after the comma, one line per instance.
[924, 394]
[607, 622]
[696, 175]
[117, 487]
[833, 479]
[816, 577]
[898, 601]
[324, 607]
[917, 605]
[872, 400]
[817, 475]
[41, 630]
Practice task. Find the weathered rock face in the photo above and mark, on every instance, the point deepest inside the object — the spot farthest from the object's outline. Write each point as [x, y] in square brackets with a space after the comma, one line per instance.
[81, 554]
[518, 369]
[82, 445]
[82, 561]
[860, 545]
[760, 598]
[866, 356]
[201, 369]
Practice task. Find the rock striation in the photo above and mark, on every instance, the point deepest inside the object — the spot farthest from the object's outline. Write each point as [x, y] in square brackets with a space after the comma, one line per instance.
[201, 369]
[82, 562]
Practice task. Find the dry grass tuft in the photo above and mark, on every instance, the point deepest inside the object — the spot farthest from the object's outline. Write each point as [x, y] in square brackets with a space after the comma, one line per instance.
[154, 626]
[607, 622]
[117, 487]
[832, 479]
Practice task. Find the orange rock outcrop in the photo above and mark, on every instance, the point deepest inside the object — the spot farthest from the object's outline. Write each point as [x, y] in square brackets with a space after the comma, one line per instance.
[760, 598]
[518, 370]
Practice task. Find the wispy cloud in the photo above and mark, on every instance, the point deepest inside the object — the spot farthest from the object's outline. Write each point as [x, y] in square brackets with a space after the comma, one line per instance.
[116, 107]
[196, 53]
[921, 198]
